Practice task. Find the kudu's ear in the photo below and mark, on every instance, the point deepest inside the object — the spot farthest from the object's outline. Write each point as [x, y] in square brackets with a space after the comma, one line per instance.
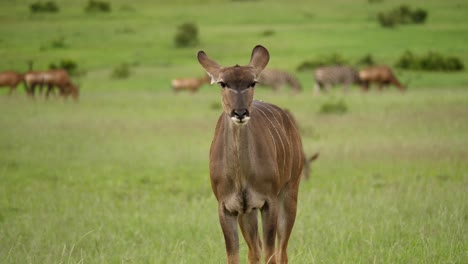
[314, 157]
[210, 66]
[259, 59]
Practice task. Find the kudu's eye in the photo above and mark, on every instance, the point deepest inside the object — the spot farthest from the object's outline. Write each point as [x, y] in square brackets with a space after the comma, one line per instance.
[253, 84]
[222, 84]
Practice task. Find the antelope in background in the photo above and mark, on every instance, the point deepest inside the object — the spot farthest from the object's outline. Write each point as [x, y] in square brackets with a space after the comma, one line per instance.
[33, 79]
[326, 77]
[278, 79]
[11, 79]
[256, 160]
[52, 78]
[59, 78]
[189, 84]
[382, 75]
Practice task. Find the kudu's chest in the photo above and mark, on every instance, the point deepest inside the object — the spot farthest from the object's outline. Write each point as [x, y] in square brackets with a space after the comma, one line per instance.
[240, 179]
[244, 168]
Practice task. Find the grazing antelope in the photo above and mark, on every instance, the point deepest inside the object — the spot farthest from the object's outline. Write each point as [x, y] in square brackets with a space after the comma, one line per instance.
[33, 79]
[189, 84]
[59, 78]
[256, 161]
[382, 75]
[278, 79]
[331, 75]
[10, 79]
[51, 78]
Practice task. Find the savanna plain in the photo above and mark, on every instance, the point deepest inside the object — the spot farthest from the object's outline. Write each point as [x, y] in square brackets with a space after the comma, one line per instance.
[121, 175]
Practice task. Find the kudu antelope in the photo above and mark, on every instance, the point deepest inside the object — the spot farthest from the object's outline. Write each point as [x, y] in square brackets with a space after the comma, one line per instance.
[10, 79]
[307, 168]
[189, 84]
[256, 161]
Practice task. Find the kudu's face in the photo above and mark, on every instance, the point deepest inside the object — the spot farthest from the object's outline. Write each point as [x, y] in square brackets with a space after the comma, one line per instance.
[237, 83]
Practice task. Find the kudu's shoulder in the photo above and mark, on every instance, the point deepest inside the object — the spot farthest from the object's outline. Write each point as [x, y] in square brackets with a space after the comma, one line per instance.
[274, 114]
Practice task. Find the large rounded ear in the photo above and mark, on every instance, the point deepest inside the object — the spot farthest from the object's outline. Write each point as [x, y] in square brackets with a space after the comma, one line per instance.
[210, 66]
[259, 59]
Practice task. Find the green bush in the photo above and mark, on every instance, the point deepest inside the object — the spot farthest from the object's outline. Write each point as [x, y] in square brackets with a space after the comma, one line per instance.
[95, 6]
[58, 43]
[408, 61]
[187, 35]
[367, 60]
[268, 33]
[46, 7]
[338, 107]
[331, 59]
[122, 71]
[402, 15]
[432, 61]
[419, 16]
[69, 65]
[386, 20]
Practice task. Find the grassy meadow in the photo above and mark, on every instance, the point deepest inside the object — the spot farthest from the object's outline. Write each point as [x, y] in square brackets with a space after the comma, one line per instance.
[121, 176]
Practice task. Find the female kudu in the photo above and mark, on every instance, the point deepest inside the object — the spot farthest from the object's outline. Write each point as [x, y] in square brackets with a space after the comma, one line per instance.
[256, 160]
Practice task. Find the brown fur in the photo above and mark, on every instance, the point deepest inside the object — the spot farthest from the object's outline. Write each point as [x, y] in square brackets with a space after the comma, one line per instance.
[307, 160]
[278, 79]
[256, 161]
[52, 78]
[32, 79]
[381, 75]
[60, 79]
[189, 84]
[10, 79]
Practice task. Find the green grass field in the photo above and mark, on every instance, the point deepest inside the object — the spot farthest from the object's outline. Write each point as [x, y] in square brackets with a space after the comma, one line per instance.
[122, 175]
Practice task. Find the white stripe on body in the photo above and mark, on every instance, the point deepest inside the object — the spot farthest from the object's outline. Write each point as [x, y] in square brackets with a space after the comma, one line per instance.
[277, 132]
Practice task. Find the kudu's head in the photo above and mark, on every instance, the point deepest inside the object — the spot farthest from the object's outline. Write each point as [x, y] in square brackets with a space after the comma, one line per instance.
[237, 82]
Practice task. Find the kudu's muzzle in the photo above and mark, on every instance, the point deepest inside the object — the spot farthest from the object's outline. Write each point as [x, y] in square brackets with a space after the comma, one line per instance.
[240, 116]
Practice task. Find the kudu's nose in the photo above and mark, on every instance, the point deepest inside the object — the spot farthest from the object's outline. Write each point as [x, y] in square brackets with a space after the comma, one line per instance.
[240, 114]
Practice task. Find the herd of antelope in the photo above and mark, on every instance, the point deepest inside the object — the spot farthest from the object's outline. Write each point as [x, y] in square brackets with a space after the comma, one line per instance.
[325, 78]
[256, 159]
[52, 79]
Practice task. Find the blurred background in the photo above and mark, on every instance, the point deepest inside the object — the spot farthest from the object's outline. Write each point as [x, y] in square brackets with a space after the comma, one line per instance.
[118, 172]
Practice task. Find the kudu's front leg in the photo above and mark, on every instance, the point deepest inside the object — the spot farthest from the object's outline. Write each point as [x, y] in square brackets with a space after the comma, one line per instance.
[269, 225]
[286, 218]
[249, 227]
[228, 223]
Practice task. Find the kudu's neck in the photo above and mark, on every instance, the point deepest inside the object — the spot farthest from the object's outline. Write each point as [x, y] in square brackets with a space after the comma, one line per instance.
[235, 137]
